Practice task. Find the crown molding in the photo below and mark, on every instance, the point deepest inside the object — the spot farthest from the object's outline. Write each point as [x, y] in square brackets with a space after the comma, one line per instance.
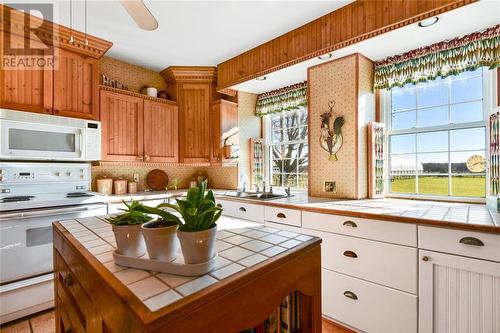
[135, 94]
[189, 74]
[51, 33]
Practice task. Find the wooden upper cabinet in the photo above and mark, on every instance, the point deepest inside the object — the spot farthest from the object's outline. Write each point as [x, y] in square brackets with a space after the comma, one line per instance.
[26, 89]
[194, 126]
[224, 129]
[76, 85]
[161, 135]
[122, 127]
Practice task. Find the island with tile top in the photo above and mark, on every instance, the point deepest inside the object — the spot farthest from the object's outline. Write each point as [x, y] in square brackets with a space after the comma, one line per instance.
[257, 267]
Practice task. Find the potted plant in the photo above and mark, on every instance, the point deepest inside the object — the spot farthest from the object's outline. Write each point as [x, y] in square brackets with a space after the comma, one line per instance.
[197, 229]
[160, 234]
[127, 229]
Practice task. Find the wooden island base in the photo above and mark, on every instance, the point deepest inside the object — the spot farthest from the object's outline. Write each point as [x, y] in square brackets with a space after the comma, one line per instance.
[90, 298]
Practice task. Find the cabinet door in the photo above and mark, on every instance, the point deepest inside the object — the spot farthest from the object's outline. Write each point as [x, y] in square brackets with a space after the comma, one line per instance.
[76, 86]
[215, 135]
[160, 132]
[194, 114]
[458, 294]
[26, 89]
[122, 127]
[224, 129]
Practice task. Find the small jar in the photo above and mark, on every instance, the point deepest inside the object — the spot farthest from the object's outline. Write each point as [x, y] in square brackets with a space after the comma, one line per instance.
[120, 186]
[132, 187]
[105, 186]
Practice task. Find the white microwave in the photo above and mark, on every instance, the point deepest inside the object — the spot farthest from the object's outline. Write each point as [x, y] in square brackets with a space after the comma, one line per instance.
[32, 136]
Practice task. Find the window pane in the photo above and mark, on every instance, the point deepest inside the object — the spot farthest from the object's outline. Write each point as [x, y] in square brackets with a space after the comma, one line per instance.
[432, 141]
[277, 180]
[303, 165]
[432, 95]
[289, 166]
[402, 184]
[277, 135]
[459, 161]
[303, 118]
[403, 99]
[466, 90]
[290, 180]
[277, 166]
[404, 120]
[467, 139]
[466, 112]
[433, 162]
[433, 116]
[433, 185]
[402, 144]
[468, 186]
[467, 74]
[303, 180]
[403, 165]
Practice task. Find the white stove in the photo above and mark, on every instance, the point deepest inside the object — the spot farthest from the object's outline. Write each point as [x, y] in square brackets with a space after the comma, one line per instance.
[32, 196]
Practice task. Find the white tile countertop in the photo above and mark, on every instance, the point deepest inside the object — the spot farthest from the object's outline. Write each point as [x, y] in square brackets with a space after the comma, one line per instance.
[240, 245]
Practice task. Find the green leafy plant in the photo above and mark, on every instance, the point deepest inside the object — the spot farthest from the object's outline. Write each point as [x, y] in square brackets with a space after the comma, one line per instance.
[165, 219]
[199, 210]
[134, 214]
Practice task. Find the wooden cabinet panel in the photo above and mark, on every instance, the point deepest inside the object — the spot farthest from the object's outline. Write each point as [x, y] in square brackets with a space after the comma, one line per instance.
[122, 127]
[215, 135]
[76, 90]
[161, 141]
[223, 129]
[194, 114]
[26, 89]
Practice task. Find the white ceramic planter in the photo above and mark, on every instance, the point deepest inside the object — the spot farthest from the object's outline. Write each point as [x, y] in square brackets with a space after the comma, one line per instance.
[162, 243]
[129, 240]
[198, 246]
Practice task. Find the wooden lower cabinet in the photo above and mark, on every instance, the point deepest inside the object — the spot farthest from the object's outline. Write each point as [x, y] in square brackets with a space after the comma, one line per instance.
[458, 294]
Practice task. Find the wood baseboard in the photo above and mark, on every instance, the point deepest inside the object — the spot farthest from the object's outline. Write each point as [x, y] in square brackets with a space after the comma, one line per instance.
[329, 326]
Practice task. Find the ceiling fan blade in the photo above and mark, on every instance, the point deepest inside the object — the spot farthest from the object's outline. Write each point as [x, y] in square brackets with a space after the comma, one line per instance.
[140, 14]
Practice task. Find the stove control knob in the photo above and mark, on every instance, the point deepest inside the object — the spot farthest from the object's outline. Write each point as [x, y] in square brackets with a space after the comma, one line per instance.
[1, 178]
[58, 174]
[69, 173]
[2, 172]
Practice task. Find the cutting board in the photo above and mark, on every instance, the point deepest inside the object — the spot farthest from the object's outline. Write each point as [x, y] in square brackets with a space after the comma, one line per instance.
[157, 180]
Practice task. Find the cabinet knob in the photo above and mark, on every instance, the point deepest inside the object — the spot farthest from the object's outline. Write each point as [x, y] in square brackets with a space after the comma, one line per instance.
[471, 241]
[68, 281]
[349, 224]
[140, 157]
[350, 254]
[146, 157]
[425, 258]
[350, 294]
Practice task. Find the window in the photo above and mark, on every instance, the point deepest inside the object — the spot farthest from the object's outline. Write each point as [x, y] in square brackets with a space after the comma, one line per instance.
[437, 137]
[288, 149]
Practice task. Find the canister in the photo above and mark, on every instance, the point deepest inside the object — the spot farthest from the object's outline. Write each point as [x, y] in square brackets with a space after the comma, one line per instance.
[105, 186]
[120, 186]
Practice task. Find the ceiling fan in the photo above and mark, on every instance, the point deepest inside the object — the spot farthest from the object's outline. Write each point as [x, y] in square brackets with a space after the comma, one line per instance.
[140, 14]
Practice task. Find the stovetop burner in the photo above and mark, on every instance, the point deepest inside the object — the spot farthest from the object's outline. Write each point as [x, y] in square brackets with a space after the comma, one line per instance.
[17, 198]
[79, 195]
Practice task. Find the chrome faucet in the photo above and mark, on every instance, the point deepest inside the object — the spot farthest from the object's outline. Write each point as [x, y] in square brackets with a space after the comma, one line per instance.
[271, 189]
[287, 191]
[263, 186]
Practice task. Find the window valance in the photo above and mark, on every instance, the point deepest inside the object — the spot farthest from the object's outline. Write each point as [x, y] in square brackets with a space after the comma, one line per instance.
[284, 99]
[441, 59]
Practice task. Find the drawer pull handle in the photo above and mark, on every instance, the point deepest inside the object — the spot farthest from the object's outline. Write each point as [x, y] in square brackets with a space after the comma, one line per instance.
[350, 294]
[68, 281]
[471, 241]
[243, 209]
[219, 205]
[281, 216]
[350, 254]
[350, 224]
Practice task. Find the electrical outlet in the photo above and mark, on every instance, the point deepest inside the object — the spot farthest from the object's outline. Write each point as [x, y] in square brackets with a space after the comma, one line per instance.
[136, 177]
[330, 186]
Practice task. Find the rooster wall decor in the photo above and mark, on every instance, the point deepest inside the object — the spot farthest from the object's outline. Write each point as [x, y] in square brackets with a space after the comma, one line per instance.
[331, 138]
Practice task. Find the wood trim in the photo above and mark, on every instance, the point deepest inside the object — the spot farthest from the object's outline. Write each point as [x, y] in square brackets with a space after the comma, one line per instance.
[52, 33]
[228, 92]
[309, 171]
[498, 86]
[334, 327]
[356, 126]
[134, 94]
[145, 164]
[345, 26]
[189, 74]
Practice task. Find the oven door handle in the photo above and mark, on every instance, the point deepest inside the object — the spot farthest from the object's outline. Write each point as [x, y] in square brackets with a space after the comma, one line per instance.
[49, 212]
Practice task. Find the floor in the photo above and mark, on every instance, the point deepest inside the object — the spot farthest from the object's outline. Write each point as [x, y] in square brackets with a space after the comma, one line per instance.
[43, 322]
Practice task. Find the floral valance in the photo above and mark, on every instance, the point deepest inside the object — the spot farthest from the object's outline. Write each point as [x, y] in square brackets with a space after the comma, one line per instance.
[441, 59]
[284, 99]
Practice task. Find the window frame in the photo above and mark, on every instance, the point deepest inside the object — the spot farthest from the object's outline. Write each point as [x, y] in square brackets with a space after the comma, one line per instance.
[268, 144]
[488, 97]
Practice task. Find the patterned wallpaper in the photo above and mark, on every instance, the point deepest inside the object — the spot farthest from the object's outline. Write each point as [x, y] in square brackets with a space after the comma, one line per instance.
[249, 128]
[135, 77]
[338, 80]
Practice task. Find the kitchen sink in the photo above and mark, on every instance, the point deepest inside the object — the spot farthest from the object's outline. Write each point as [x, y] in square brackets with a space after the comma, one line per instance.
[253, 195]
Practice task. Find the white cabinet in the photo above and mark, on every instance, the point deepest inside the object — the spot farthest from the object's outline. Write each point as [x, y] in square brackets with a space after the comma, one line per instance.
[458, 294]
[292, 217]
[242, 210]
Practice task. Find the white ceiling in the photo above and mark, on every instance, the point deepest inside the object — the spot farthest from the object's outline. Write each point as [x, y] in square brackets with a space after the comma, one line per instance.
[461, 21]
[201, 33]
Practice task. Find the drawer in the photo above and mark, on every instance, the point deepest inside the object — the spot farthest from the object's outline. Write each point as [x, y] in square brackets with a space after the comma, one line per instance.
[283, 216]
[461, 242]
[242, 210]
[370, 260]
[392, 232]
[366, 306]
[282, 227]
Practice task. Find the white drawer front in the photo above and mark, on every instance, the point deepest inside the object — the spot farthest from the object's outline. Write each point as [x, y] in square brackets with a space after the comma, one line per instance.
[242, 210]
[460, 242]
[376, 309]
[282, 227]
[392, 232]
[392, 265]
[283, 215]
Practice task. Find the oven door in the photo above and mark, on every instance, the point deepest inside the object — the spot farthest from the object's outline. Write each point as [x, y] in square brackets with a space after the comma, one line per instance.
[26, 239]
[34, 141]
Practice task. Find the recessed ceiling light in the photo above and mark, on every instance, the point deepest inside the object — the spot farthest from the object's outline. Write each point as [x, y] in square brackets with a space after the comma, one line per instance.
[325, 56]
[428, 22]
[261, 78]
